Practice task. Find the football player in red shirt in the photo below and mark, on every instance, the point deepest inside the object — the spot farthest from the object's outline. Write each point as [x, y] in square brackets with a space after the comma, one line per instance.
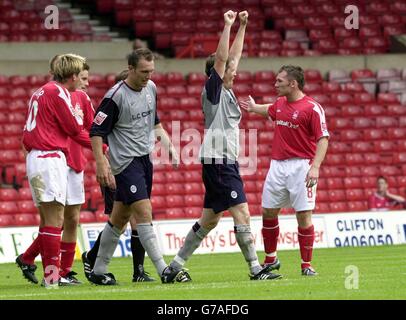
[51, 120]
[382, 199]
[299, 147]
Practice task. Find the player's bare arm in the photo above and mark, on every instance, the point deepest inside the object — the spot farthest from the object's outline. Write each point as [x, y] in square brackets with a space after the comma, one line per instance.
[163, 137]
[250, 106]
[222, 48]
[395, 197]
[103, 172]
[238, 43]
[313, 174]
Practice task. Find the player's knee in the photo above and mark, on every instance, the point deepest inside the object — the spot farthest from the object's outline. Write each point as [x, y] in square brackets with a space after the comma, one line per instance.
[270, 213]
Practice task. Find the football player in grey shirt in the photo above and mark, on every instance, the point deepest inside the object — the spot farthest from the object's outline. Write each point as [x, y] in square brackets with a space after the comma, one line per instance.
[128, 118]
[219, 154]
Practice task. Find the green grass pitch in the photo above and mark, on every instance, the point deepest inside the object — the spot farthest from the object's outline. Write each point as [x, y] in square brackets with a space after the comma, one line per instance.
[381, 271]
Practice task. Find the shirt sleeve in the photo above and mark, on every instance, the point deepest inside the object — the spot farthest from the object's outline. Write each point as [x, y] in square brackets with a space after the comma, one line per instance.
[318, 123]
[105, 118]
[213, 87]
[272, 110]
[157, 120]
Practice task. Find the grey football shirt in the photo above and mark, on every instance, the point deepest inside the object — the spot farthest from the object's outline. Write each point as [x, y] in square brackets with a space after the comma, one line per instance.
[222, 116]
[127, 118]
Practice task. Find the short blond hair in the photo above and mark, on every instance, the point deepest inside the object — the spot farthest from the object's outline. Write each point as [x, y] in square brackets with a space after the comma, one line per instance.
[52, 63]
[67, 65]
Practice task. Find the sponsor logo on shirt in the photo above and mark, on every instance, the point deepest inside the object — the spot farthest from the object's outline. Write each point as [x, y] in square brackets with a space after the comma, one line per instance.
[287, 124]
[142, 114]
[100, 117]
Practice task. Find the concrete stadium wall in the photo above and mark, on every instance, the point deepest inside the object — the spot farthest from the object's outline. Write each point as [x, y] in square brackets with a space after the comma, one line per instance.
[109, 57]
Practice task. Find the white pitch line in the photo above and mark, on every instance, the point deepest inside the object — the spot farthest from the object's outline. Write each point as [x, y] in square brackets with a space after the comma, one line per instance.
[111, 290]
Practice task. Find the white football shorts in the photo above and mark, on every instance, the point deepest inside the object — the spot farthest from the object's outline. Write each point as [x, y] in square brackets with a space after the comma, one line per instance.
[75, 190]
[47, 174]
[285, 186]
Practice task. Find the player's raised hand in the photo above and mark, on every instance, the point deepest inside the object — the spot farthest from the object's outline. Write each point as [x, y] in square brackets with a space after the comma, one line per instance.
[248, 105]
[229, 17]
[243, 15]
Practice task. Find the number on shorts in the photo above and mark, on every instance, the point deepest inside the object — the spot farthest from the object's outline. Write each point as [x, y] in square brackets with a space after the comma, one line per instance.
[310, 193]
[32, 114]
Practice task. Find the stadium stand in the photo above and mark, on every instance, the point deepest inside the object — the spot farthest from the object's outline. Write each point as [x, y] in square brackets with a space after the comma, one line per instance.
[366, 117]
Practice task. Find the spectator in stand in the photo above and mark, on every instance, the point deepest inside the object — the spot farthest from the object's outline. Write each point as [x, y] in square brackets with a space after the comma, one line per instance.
[383, 200]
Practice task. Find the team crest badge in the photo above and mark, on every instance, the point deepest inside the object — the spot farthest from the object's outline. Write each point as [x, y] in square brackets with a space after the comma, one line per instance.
[100, 117]
[295, 115]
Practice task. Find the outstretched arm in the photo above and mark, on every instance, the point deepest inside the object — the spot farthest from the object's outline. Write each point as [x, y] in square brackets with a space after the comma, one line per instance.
[238, 43]
[221, 56]
[250, 106]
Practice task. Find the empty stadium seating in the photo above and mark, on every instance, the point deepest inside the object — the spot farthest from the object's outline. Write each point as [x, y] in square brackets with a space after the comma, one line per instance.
[368, 138]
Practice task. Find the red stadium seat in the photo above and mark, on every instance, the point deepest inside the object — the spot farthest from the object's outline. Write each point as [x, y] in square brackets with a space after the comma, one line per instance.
[27, 206]
[371, 171]
[175, 188]
[357, 206]
[363, 75]
[8, 194]
[396, 109]
[175, 213]
[158, 202]
[336, 195]
[353, 182]
[354, 159]
[375, 110]
[396, 133]
[374, 134]
[322, 207]
[354, 195]
[334, 183]
[351, 135]
[387, 98]
[386, 122]
[87, 217]
[25, 219]
[338, 207]
[352, 111]
[384, 146]
[362, 146]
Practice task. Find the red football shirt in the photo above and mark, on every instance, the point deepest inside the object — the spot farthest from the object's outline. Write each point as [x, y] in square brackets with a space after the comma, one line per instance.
[50, 119]
[75, 157]
[380, 203]
[298, 127]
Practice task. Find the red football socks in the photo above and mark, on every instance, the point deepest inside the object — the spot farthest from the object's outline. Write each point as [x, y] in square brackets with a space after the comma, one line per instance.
[50, 245]
[67, 256]
[270, 233]
[306, 239]
[32, 252]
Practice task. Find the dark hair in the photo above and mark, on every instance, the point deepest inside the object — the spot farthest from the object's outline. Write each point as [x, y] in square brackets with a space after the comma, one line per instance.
[294, 73]
[136, 55]
[210, 64]
[86, 67]
[121, 76]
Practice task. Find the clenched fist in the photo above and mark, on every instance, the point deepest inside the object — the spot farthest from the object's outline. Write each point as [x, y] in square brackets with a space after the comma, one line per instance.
[229, 17]
[243, 15]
